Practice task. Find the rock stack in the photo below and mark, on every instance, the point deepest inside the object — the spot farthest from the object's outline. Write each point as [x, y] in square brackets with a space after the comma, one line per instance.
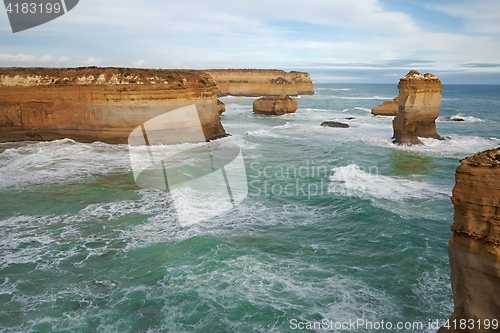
[418, 108]
[275, 105]
[387, 108]
[474, 247]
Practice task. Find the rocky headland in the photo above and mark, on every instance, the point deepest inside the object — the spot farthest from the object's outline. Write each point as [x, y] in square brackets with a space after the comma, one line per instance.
[261, 82]
[474, 247]
[387, 108]
[419, 101]
[273, 105]
[99, 104]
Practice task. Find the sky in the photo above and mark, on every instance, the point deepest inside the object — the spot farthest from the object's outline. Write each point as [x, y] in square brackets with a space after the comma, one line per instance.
[362, 41]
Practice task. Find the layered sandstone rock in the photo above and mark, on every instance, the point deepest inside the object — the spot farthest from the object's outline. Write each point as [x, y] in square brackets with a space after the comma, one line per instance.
[474, 247]
[387, 108]
[99, 104]
[261, 82]
[419, 103]
[275, 105]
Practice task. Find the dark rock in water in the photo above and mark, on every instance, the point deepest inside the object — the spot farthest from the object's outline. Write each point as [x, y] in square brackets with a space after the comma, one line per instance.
[453, 119]
[350, 118]
[334, 124]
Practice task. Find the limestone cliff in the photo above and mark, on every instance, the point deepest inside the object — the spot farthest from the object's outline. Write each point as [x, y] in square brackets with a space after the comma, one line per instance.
[273, 105]
[419, 103]
[387, 108]
[261, 82]
[474, 247]
[99, 104]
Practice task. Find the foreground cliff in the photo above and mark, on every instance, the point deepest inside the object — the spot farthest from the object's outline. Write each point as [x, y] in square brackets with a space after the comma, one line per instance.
[261, 82]
[419, 101]
[474, 247]
[99, 104]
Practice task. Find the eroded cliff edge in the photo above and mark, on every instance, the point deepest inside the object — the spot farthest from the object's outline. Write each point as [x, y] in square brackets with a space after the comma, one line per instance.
[261, 82]
[474, 247]
[99, 104]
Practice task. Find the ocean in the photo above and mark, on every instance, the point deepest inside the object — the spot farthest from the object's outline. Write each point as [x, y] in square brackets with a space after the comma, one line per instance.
[339, 227]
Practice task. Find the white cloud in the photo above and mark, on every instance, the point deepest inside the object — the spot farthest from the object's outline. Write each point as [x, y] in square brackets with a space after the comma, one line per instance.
[32, 60]
[480, 16]
[138, 63]
[89, 62]
[46, 58]
[63, 60]
[17, 58]
[261, 33]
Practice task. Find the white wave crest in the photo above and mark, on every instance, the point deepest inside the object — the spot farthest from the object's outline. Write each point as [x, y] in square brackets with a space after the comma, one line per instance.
[59, 161]
[351, 180]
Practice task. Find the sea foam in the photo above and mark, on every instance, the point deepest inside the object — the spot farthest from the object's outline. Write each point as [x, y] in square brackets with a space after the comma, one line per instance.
[352, 180]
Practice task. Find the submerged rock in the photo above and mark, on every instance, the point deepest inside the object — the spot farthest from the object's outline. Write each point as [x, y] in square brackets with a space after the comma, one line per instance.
[275, 105]
[334, 124]
[452, 119]
[418, 108]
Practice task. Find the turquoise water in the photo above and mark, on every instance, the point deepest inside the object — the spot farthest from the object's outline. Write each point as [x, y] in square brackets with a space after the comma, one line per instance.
[339, 224]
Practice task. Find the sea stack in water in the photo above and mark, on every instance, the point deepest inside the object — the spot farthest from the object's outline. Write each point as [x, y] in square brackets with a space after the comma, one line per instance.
[418, 108]
[387, 108]
[275, 105]
[474, 247]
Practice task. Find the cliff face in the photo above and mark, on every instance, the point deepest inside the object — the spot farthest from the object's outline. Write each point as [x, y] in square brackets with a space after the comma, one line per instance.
[419, 103]
[387, 108]
[275, 105]
[474, 247]
[99, 104]
[261, 82]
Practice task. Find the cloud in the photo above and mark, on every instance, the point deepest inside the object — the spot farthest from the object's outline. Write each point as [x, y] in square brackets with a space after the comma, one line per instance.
[138, 63]
[91, 61]
[481, 65]
[480, 16]
[398, 63]
[63, 60]
[336, 34]
[31, 60]
[22, 58]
